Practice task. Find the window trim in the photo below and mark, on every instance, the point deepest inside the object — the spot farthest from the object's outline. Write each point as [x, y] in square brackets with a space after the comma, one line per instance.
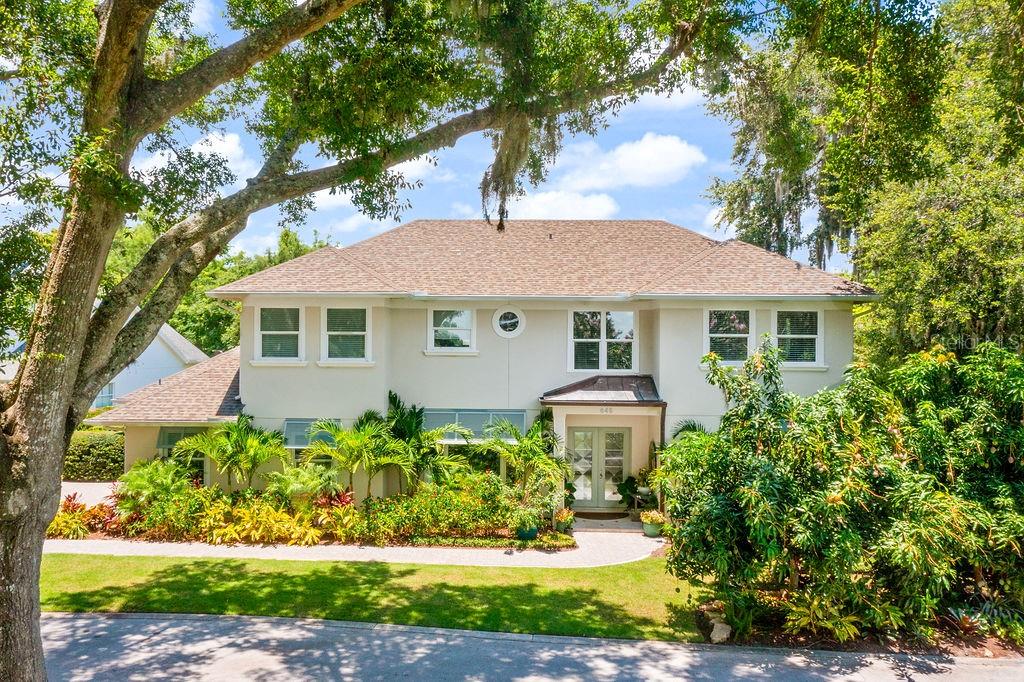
[819, 345]
[257, 351]
[325, 359]
[110, 403]
[602, 359]
[431, 349]
[497, 316]
[751, 333]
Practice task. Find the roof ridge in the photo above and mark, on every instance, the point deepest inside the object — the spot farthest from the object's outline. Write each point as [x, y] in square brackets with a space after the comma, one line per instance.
[366, 268]
[682, 266]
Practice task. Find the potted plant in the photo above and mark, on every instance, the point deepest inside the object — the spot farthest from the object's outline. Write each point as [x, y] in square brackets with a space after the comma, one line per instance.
[564, 518]
[525, 521]
[653, 520]
[643, 481]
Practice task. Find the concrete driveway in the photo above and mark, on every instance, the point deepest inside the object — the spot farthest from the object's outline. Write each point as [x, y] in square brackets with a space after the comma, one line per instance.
[145, 647]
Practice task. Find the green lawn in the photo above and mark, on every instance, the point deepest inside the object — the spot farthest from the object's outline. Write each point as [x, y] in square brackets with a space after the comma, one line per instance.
[637, 600]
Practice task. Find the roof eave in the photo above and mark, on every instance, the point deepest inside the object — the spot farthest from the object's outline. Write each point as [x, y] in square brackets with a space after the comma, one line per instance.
[160, 422]
[419, 296]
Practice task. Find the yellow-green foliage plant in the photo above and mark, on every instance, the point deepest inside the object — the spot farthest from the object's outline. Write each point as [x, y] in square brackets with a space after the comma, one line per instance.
[875, 507]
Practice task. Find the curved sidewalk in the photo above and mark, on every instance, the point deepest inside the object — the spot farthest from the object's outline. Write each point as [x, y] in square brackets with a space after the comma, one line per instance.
[595, 549]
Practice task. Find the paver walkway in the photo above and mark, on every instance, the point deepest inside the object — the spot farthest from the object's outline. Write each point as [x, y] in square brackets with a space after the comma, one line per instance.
[159, 646]
[595, 549]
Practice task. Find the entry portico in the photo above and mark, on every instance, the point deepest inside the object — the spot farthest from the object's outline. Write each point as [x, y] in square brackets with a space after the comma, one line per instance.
[607, 424]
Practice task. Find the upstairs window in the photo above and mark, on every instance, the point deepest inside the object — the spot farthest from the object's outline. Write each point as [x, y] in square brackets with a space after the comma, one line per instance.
[451, 330]
[729, 334]
[346, 334]
[798, 334]
[279, 335]
[602, 340]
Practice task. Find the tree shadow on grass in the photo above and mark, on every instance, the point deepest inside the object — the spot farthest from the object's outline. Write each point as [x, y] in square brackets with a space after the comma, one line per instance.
[370, 592]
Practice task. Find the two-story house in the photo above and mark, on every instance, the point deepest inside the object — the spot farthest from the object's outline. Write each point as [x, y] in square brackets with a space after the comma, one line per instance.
[605, 322]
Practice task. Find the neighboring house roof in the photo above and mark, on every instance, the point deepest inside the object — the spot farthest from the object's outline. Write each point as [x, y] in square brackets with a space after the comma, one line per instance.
[186, 351]
[545, 258]
[619, 389]
[201, 393]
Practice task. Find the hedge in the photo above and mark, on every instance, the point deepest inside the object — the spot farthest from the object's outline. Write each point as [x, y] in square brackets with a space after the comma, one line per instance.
[94, 456]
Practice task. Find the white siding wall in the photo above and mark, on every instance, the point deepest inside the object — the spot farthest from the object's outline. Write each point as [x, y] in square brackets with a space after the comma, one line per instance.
[155, 363]
[505, 373]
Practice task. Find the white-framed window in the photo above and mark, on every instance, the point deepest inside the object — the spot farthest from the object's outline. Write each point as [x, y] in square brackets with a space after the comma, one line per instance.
[346, 335]
[798, 334]
[279, 333]
[729, 333]
[602, 340]
[508, 322]
[105, 398]
[451, 330]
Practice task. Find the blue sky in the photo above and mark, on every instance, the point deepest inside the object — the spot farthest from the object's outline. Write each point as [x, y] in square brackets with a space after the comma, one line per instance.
[654, 160]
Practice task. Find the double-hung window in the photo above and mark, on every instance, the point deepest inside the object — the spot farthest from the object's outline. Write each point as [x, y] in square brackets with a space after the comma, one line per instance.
[602, 340]
[279, 335]
[346, 334]
[451, 330]
[729, 334]
[798, 335]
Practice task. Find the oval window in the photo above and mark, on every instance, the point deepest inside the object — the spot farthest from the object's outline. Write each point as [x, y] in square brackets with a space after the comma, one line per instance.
[508, 322]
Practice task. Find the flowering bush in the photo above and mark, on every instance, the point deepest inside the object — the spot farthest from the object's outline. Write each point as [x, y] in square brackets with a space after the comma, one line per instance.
[653, 516]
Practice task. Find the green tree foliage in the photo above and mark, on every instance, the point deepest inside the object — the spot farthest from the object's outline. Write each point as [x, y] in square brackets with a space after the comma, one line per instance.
[823, 118]
[946, 253]
[23, 253]
[869, 508]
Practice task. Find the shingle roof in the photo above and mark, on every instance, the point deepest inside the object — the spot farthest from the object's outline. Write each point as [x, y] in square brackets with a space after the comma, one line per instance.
[555, 258]
[187, 351]
[204, 392]
[638, 389]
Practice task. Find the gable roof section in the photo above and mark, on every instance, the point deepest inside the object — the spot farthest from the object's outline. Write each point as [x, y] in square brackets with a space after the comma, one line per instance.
[545, 258]
[205, 392]
[186, 351]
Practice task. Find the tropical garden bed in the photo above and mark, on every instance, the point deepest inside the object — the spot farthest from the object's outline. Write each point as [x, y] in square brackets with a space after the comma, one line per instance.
[444, 500]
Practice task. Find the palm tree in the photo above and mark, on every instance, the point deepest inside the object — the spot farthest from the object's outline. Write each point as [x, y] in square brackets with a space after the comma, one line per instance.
[368, 446]
[237, 448]
[529, 455]
[431, 457]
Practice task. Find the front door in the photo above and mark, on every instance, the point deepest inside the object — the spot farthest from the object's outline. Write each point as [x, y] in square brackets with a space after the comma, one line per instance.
[600, 462]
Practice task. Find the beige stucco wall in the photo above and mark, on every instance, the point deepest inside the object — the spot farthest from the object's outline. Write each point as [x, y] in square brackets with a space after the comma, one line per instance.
[507, 373]
[139, 444]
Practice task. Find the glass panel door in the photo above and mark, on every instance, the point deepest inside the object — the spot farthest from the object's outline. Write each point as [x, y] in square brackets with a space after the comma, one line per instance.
[613, 463]
[600, 462]
[581, 449]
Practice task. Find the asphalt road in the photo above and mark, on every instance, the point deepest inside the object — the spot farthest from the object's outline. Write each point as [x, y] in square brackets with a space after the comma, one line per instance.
[157, 646]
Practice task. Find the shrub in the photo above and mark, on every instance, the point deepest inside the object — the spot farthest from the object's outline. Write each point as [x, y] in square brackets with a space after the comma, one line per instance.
[157, 500]
[470, 505]
[301, 485]
[94, 456]
[871, 507]
[67, 525]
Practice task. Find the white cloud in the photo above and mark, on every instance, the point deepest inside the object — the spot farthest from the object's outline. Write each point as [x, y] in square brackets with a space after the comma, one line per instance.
[201, 16]
[424, 168]
[652, 161]
[562, 205]
[711, 227]
[229, 146]
[253, 243]
[352, 223]
[325, 201]
[463, 210]
[670, 101]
